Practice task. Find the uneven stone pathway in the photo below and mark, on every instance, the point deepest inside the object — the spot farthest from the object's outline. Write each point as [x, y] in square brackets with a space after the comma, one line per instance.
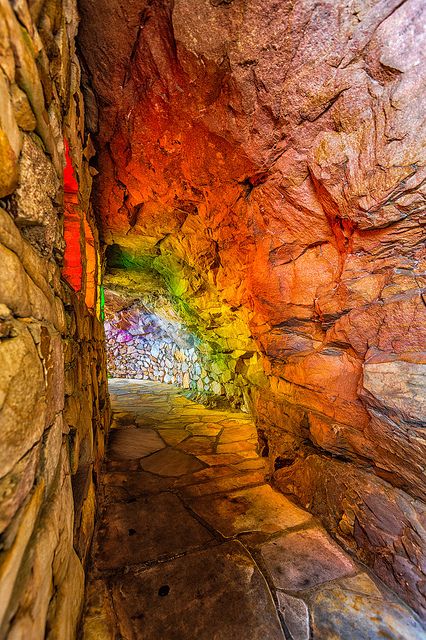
[193, 544]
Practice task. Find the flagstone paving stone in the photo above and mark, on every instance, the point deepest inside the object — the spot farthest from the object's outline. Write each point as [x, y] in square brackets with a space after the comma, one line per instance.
[171, 463]
[221, 458]
[197, 445]
[235, 447]
[222, 485]
[218, 593]
[255, 509]
[204, 429]
[192, 543]
[173, 436]
[148, 529]
[305, 559]
[133, 443]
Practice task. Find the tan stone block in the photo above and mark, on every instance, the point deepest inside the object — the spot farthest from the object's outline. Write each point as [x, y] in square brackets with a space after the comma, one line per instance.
[62, 515]
[7, 61]
[60, 319]
[23, 113]
[51, 451]
[51, 352]
[7, 117]
[50, 555]
[14, 283]
[15, 486]
[11, 560]
[27, 77]
[41, 308]
[85, 520]
[33, 201]
[22, 399]
[98, 619]
[21, 628]
[65, 608]
[9, 233]
[9, 166]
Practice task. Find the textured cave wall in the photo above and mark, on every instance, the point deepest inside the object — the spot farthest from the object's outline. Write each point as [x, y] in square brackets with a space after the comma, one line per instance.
[268, 160]
[53, 395]
[165, 285]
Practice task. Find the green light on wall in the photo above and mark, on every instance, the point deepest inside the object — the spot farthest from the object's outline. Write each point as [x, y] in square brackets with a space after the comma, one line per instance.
[102, 301]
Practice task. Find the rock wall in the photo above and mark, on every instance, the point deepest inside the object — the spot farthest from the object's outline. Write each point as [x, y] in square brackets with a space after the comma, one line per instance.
[267, 160]
[143, 346]
[53, 395]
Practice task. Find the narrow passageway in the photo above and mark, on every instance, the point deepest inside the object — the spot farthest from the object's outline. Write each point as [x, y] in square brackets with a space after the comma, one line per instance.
[193, 543]
[212, 203]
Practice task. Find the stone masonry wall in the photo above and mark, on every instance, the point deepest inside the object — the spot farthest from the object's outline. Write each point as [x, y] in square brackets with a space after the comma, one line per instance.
[53, 396]
[143, 346]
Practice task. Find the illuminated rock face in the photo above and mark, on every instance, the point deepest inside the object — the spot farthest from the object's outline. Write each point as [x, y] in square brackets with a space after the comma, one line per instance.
[266, 160]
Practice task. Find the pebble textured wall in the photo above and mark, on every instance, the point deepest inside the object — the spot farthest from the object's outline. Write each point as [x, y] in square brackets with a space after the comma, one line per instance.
[53, 395]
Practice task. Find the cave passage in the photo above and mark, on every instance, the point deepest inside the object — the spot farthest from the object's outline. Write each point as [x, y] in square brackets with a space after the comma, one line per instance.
[212, 319]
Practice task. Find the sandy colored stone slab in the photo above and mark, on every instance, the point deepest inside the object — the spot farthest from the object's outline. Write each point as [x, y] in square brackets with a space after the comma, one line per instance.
[305, 559]
[234, 435]
[236, 422]
[235, 447]
[172, 437]
[146, 530]
[204, 475]
[249, 455]
[214, 417]
[197, 445]
[133, 443]
[226, 484]
[256, 463]
[355, 609]
[98, 622]
[220, 459]
[171, 462]
[256, 509]
[204, 429]
[125, 485]
[214, 594]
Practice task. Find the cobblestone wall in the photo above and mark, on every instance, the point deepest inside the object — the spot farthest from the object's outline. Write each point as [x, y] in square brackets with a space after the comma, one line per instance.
[53, 395]
[143, 346]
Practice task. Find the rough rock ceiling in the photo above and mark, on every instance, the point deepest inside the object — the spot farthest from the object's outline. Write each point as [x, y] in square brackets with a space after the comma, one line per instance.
[267, 160]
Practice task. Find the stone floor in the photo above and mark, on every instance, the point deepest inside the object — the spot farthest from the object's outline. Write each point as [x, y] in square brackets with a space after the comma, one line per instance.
[192, 542]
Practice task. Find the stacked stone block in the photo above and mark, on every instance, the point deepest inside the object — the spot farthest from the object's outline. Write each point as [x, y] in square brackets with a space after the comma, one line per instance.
[53, 395]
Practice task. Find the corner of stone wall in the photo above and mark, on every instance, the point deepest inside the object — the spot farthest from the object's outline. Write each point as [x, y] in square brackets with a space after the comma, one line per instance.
[54, 408]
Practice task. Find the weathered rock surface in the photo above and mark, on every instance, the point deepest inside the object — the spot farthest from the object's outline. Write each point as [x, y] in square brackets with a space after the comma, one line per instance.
[267, 163]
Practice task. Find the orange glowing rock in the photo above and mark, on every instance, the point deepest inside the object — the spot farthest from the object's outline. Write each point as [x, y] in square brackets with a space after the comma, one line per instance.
[91, 260]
